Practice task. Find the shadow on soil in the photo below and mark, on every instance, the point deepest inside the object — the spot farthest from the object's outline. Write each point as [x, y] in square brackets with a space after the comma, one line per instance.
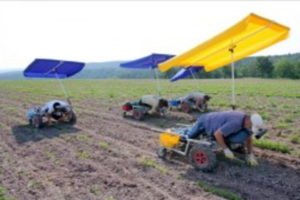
[269, 180]
[26, 133]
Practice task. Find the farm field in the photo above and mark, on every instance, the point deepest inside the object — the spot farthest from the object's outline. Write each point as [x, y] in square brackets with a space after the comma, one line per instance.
[108, 157]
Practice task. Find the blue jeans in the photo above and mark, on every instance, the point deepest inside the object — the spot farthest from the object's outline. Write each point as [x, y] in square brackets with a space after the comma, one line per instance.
[239, 137]
[198, 128]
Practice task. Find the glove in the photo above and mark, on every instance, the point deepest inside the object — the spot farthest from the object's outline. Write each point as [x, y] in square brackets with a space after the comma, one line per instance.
[228, 154]
[250, 160]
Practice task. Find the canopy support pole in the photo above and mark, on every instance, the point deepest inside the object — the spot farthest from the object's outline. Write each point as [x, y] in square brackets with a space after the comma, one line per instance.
[63, 89]
[157, 82]
[232, 77]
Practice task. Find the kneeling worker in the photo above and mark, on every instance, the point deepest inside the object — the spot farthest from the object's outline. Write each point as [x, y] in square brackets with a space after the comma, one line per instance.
[232, 126]
[156, 103]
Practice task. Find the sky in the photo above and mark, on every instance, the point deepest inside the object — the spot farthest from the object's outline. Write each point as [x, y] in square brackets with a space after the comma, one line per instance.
[100, 31]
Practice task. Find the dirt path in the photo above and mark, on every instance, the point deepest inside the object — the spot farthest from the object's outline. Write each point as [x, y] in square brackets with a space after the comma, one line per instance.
[105, 156]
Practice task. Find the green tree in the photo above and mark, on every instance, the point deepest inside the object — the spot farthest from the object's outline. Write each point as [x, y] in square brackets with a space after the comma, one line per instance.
[297, 69]
[284, 68]
[226, 71]
[265, 66]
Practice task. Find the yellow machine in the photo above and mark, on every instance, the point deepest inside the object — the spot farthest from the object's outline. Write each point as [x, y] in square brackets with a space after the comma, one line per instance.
[200, 153]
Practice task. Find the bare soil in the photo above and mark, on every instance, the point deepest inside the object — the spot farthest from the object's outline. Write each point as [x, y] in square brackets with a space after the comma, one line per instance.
[102, 156]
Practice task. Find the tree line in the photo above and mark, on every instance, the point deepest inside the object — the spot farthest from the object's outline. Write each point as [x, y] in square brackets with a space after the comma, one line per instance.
[287, 66]
[282, 66]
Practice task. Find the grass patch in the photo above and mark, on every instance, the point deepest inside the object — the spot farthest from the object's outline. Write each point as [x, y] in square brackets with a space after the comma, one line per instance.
[95, 190]
[162, 124]
[3, 196]
[272, 145]
[265, 115]
[295, 139]
[83, 154]
[83, 137]
[296, 153]
[109, 198]
[4, 126]
[282, 125]
[288, 119]
[33, 184]
[219, 192]
[52, 157]
[24, 174]
[150, 163]
[103, 144]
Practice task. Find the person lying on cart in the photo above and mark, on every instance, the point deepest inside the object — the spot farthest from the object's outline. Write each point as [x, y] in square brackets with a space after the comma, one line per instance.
[56, 110]
[229, 126]
[158, 105]
[199, 99]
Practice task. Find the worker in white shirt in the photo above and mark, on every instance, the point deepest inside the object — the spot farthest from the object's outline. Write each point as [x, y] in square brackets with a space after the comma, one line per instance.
[56, 110]
[156, 103]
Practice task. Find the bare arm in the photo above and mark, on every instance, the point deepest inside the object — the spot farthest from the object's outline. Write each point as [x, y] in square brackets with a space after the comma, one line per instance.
[220, 139]
[249, 145]
[199, 103]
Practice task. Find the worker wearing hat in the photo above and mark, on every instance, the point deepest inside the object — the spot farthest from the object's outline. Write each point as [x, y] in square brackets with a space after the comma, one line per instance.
[232, 126]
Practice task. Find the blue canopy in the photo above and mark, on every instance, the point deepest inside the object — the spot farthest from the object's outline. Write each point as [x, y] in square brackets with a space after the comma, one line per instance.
[147, 62]
[185, 72]
[47, 68]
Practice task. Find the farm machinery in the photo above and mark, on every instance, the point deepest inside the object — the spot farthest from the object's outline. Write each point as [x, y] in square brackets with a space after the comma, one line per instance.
[65, 114]
[139, 110]
[200, 152]
[57, 69]
[189, 105]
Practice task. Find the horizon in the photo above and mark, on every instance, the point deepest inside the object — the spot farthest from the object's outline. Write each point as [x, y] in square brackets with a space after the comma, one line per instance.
[19, 69]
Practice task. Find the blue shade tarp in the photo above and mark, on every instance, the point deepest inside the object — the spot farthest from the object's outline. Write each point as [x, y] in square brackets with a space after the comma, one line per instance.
[147, 62]
[185, 72]
[47, 68]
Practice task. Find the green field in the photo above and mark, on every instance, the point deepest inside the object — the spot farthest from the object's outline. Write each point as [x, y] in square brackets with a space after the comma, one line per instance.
[102, 138]
[276, 100]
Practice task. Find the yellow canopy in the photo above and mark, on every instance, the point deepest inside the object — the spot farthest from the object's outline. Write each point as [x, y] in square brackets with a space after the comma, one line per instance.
[252, 34]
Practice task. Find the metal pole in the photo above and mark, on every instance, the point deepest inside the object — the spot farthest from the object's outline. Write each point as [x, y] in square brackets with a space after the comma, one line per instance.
[232, 78]
[157, 81]
[63, 88]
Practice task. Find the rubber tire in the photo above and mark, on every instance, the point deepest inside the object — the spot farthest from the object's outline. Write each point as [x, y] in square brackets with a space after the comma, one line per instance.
[186, 107]
[161, 152]
[37, 121]
[72, 118]
[210, 156]
[138, 114]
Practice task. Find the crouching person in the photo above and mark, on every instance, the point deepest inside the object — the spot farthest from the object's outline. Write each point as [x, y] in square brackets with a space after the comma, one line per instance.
[56, 110]
[229, 127]
[198, 99]
[157, 104]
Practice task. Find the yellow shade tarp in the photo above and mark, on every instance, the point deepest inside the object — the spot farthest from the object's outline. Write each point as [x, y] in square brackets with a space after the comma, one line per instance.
[252, 34]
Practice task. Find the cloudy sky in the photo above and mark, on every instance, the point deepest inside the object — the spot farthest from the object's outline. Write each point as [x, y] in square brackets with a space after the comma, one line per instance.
[123, 30]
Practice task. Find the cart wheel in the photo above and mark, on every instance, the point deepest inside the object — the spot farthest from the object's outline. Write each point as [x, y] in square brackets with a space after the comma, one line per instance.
[202, 158]
[72, 118]
[161, 152]
[37, 121]
[124, 114]
[186, 107]
[138, 114]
